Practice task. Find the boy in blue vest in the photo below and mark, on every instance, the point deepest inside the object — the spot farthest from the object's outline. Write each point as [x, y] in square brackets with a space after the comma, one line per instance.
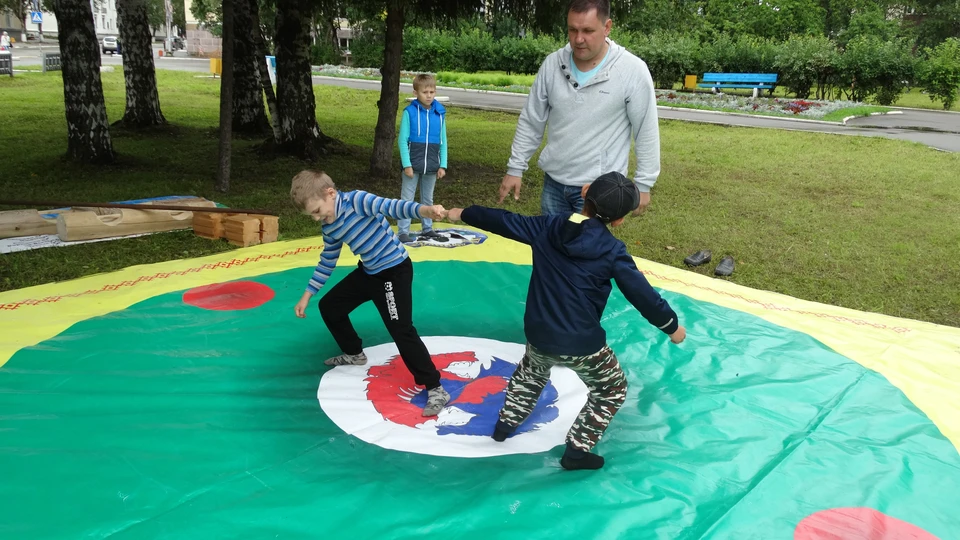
[384, 275]
[575, 257]
[423, 152]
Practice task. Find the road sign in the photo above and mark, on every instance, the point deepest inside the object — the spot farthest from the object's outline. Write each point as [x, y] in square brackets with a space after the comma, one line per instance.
[36, 17]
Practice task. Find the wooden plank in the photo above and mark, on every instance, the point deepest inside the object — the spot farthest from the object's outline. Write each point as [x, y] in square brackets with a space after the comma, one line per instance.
[14, 223]
[73, 226]
[269, 229]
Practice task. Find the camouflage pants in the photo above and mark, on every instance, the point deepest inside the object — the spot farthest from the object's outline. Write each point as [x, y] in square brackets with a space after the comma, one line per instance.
[599, 371]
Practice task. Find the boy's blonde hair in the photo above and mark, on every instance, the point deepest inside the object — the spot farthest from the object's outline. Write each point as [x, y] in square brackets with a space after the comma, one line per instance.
[424, 80]
[308, 184]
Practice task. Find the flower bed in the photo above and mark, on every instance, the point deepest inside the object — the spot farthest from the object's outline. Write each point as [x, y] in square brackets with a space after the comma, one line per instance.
[806, 108]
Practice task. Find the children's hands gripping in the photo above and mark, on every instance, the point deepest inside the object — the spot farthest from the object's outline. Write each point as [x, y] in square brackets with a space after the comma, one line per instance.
[679, 335]
[454, 214]
[435, 212]
[301, 308]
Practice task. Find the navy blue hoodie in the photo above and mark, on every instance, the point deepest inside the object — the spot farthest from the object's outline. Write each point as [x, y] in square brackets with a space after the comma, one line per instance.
[574, 259]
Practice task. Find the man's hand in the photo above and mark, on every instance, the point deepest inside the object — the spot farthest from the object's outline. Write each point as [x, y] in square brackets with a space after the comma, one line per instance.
[454, 214]
[510, 183]
[301, 308]
[644, 203]
[441, 172]
[679, 335]
[408, 172]
[435, 212]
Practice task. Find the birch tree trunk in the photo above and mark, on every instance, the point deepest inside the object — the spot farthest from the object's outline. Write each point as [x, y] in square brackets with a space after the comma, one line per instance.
[249, 116]
[139, 73]
[226, 99]
[88, 132]
[299, 133]
[381, 161]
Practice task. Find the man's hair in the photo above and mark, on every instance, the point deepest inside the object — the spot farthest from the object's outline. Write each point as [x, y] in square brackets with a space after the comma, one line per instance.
[424, 80]
[583, 6]
[308, 184]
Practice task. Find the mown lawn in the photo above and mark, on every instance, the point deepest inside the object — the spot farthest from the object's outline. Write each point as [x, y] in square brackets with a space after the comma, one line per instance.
[866, 223]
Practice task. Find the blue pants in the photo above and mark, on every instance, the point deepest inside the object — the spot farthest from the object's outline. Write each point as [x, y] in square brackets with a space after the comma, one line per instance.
[426, 181]
[558, 198]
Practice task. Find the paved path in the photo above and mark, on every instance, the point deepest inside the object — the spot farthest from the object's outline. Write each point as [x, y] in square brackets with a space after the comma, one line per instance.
[897, 126]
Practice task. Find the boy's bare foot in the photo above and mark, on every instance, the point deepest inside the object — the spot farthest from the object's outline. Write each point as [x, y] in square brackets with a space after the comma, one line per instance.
[347, 360]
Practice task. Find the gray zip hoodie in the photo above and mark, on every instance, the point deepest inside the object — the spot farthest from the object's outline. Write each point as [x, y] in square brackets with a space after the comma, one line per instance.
[591, 125]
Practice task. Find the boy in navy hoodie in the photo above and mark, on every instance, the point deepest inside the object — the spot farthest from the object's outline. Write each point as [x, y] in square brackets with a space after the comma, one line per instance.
[574, 258]
[423, 152]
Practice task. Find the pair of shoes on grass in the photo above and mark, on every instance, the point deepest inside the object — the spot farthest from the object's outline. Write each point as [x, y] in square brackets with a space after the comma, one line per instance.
[724, 268]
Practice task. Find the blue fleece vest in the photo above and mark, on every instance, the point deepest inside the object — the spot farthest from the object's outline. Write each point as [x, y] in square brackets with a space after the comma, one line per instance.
[426, 127]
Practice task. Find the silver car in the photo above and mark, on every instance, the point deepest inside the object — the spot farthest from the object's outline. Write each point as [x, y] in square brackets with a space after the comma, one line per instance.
[110, 45]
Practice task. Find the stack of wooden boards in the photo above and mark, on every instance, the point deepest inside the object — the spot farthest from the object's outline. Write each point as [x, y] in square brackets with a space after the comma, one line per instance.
[239, 229]
[79, 223]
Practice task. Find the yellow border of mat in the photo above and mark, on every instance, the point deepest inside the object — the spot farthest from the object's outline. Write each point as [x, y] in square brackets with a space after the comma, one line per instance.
[921, 359]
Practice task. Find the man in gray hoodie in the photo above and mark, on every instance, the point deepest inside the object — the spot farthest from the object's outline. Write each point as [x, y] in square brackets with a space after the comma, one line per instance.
[597, 98]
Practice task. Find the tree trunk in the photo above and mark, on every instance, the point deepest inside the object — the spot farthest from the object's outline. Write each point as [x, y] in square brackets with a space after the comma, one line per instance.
[139, 74]
[299, 133]
[226, 98]
[265, 78]
[381, 162]
[249, 116]
[88, 133]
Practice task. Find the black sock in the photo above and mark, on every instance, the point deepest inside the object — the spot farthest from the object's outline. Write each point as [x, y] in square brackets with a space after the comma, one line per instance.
[574, 459]
[502, 431]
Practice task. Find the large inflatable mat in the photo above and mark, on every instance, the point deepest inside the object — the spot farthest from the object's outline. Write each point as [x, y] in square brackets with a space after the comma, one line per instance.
[185, 400]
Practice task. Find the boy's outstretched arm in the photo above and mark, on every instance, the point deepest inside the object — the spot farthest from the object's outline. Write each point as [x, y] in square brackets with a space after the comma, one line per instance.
[645, 298]
[368, 204]
[328, 261]
[507, 224]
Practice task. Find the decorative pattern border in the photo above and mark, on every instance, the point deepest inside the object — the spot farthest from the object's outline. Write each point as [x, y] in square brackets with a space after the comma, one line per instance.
[160, 275]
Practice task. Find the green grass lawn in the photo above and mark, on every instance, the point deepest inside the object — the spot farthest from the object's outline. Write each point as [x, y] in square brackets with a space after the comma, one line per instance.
[866, 223]
[918, 100]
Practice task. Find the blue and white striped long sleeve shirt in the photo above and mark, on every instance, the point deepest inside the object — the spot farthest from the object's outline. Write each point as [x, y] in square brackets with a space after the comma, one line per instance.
[362, 224]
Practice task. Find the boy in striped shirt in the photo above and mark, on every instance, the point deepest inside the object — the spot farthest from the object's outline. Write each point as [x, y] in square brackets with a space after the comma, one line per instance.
[384, 275]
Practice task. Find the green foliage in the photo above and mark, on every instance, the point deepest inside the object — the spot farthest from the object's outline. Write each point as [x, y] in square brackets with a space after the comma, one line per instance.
[940, 73]
[669, 55]
[475, 50]
[367, 48]
[470, 49]
[744, 54]
[428, 50]
[805, 62]
[322, 53]
[874, 68]
[871, 22]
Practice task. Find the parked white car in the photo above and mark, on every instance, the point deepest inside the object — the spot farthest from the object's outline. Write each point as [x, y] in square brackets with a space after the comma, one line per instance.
[110, 45]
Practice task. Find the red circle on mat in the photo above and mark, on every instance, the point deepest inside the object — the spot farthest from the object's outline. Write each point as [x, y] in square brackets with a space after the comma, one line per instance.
[857, 524]
[230, 296]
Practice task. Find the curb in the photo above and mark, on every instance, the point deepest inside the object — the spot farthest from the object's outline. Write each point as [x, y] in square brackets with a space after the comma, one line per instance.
[844, 121]
[938, 111]
[726, 113]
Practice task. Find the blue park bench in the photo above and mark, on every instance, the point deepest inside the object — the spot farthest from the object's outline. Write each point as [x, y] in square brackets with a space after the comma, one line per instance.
[757, 81]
